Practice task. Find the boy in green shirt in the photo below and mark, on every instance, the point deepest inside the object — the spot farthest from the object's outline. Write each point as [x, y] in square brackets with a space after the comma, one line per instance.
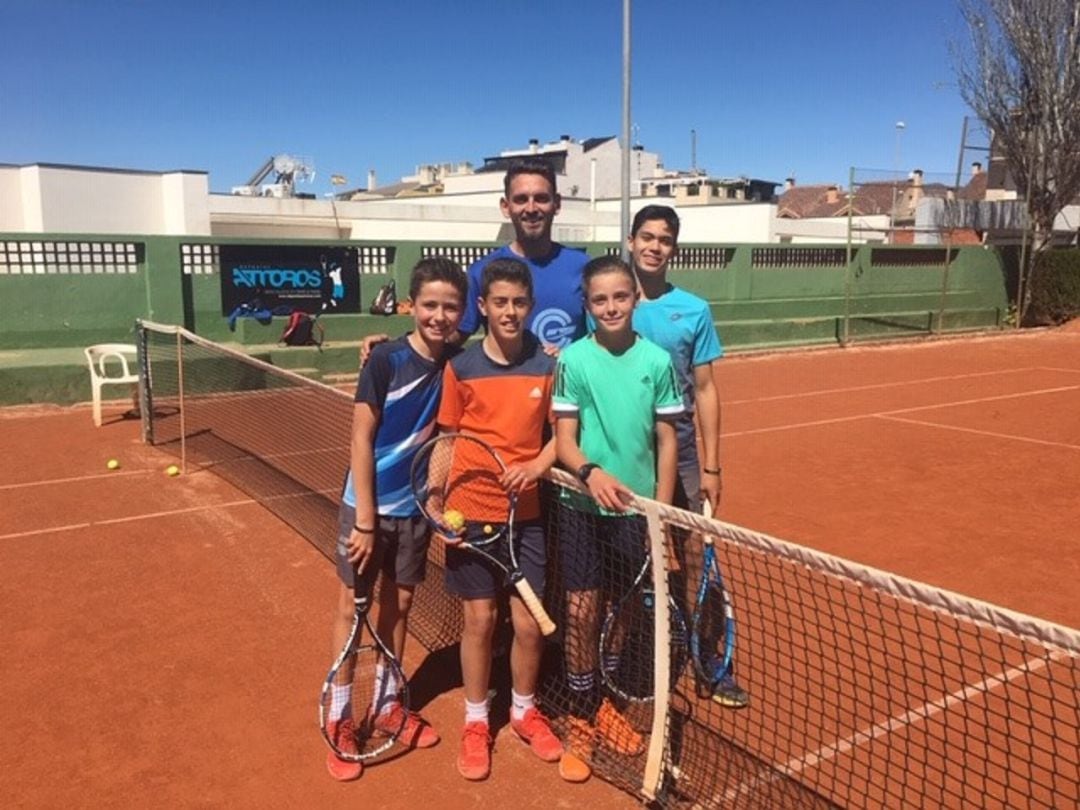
[615, 396]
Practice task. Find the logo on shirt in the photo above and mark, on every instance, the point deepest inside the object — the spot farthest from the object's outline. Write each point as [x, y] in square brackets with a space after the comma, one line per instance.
[554, 326]
[676, 316]
[536, 393]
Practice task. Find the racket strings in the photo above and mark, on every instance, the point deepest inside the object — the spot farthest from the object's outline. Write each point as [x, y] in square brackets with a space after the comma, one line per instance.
[456, 480]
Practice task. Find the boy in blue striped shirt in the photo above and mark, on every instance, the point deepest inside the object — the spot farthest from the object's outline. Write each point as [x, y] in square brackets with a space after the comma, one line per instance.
[380, 528]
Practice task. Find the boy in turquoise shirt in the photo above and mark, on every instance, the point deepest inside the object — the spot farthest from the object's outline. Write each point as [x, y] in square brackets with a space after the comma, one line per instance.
[681, 322]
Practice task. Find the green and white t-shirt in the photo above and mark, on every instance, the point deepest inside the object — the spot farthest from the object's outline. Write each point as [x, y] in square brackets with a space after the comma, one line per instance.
[617, 399]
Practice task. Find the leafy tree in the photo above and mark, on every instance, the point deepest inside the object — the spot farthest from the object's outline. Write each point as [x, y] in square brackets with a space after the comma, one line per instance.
[1019, 71]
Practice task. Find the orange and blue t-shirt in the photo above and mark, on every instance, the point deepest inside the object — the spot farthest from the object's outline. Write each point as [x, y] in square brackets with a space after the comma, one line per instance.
[506, 405]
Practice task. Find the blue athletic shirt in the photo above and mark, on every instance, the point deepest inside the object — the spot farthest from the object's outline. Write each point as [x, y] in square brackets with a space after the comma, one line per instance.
[558, 316]
[404, 388]
[680, 322]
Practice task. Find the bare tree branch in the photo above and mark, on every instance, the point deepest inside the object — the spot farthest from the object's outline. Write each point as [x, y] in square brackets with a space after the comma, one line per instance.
[1019, 71]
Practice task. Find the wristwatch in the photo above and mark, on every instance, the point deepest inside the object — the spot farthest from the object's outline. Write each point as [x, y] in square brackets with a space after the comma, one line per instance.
[585, 470]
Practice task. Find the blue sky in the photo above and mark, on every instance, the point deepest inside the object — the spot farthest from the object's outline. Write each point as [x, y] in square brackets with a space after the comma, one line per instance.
[772, 87]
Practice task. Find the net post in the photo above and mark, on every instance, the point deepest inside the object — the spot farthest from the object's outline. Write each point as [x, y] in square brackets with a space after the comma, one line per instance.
[146, 401]
[180, 395]
[661, 651]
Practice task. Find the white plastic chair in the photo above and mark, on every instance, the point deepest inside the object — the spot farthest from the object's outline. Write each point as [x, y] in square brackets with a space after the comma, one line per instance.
[98, 358]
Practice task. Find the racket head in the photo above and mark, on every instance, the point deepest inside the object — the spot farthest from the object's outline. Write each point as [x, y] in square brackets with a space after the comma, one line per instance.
[712, 637]
[455, 478]
[358, 729]
[712, 626]
[627, 644]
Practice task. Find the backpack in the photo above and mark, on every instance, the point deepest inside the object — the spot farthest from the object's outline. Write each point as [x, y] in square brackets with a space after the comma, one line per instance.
[302, 330]
[385, 300]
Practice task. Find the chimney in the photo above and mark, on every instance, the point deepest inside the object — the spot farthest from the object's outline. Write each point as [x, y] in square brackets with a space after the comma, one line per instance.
[976, 169]
[534, 145]
[832, 195]
[789, 183]
[916, 177]
[564, 139]
[370, 179]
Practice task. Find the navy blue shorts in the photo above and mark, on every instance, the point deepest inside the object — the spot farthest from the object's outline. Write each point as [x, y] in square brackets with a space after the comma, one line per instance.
[471, 576]
[601, 551]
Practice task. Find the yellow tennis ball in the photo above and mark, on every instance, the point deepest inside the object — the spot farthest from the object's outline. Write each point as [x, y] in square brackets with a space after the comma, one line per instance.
[488, 528]
[113, 464]
[172, 470]
[454, 519]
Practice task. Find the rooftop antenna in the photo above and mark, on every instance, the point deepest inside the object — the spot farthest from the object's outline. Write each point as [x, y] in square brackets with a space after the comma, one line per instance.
[693, 150]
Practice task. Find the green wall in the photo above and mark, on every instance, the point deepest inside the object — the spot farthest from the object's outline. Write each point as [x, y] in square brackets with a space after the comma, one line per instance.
[51, 300]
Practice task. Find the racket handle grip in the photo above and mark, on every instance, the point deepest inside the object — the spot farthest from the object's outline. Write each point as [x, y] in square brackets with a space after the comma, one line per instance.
[535, 606]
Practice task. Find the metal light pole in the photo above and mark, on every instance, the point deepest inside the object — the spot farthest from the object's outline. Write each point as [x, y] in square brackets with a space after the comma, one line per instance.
[624, 220]
[900, 125]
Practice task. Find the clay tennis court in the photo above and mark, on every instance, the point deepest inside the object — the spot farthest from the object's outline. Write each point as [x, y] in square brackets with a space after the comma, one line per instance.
[168, 636]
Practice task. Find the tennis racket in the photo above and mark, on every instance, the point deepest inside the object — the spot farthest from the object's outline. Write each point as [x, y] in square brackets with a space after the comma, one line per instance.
[361, 707]
[712, 631]
[627, 639]
[456, 482]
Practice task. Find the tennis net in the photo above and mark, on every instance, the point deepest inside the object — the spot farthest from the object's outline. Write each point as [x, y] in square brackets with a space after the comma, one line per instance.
[865, 689]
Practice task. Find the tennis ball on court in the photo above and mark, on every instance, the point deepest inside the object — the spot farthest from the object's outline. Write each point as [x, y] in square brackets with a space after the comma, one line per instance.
[488, 528]
[113, 464]
[172, 470]
[454, 519]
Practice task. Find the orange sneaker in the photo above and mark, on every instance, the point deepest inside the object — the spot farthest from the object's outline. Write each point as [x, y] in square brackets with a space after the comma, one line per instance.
[615, 731]
[344, 736]
[413, 730]
[535, 730]
[474, 760]
[574, 763]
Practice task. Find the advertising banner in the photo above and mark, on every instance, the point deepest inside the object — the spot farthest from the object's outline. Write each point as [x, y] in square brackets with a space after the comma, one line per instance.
[283, 278]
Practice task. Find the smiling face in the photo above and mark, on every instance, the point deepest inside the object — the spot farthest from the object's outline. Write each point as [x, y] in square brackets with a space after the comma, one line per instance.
[437, 310]
[531, 205]
[652, 247]
[506, 306]
[610, 296]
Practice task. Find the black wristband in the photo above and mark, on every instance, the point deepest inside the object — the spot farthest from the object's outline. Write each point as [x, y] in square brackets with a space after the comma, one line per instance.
[362, 531]
[707, 471]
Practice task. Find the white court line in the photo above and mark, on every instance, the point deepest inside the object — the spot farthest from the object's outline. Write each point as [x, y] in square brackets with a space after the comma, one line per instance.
[876, 386]
[94, 477]
[796, 765]
[981, 432]
[129, 519]
[1057, 368]
[165, 513]
[857, 417]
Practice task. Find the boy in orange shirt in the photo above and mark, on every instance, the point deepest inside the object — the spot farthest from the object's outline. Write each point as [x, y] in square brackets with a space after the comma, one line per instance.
[499, 390]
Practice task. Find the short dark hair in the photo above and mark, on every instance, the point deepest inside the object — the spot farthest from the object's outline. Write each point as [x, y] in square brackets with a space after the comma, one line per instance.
[653, 212]
[438, 268]
[606, 264]
[513, 270]
[530, 166]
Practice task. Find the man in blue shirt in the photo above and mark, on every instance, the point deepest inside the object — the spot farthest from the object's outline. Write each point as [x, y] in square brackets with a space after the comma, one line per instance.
[531, 202]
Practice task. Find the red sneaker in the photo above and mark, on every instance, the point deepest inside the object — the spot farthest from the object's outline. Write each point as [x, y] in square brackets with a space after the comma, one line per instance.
[574, 764]
[474, 761]
[615, 731]
[344, 736]
[535, 730]
[413, 730]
